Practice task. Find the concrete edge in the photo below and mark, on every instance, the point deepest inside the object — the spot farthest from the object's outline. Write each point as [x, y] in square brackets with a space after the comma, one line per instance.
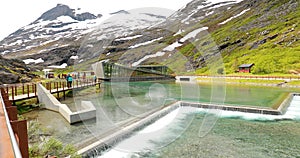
[106, 142]
[51, 103]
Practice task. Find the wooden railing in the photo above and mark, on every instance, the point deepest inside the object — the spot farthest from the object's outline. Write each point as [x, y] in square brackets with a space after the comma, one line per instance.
[29, 90]
[19, 128]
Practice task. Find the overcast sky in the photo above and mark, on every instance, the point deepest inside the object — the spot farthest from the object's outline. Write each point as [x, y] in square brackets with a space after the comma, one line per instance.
[15, 14]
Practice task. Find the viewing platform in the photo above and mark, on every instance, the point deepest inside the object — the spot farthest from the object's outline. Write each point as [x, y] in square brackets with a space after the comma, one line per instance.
[19, 92]
[114, 72]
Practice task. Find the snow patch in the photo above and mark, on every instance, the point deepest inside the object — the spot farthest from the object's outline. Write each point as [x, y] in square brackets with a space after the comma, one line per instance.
[128, 38]
[243, 12]
[209, 13]
[158, 54]
[62, 66]
[18, 42]
[3, 53]
[36, 61]
[172, 46]
[179, 32]
[66, 19]
[193, 34]
[74, 57]
[145, 43]
[187, 18]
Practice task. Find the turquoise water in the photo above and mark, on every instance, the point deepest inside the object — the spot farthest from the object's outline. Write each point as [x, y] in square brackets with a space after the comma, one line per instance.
[234, 95]
[236, 138]
[118, 103]
[234, 134]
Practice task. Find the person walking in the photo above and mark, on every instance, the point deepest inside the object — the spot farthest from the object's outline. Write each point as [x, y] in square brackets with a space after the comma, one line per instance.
[95, 78]
[69, 81]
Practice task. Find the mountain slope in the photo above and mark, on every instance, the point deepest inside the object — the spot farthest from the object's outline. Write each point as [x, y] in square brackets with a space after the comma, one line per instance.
[204, 36]
[14, 71]
[62, 28]
[262, 32]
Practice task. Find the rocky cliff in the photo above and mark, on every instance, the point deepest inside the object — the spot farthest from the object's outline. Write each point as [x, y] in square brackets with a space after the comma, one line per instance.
[14, 71]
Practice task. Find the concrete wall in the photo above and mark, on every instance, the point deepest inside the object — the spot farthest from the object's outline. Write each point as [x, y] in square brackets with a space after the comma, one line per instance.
[256, 110]
[98, 69]
[124, 132]
[186, 79]
[51, 103]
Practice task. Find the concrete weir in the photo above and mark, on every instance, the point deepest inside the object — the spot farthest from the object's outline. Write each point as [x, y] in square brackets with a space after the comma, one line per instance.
[124, 132]
[51, 103]
[118, 135]
[258, 110]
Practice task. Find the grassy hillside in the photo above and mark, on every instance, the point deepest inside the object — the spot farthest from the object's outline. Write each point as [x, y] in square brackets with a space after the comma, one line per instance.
[267, 35]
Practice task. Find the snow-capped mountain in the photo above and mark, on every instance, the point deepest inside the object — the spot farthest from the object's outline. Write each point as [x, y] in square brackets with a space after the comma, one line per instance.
[182, 27]
[218, 36]
[60, 22]
[232, 32]
[62, 26]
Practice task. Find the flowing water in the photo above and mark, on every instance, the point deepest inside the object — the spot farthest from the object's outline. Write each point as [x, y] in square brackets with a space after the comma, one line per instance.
[118, 103]
[236, 134]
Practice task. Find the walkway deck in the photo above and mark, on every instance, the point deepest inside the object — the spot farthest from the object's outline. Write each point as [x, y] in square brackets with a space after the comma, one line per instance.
[29, 91]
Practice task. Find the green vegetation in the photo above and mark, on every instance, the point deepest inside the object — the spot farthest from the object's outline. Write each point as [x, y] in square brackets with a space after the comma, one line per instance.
[27, 105]
[49, 146]
[268, 41]
[294, 83]
[240, 81]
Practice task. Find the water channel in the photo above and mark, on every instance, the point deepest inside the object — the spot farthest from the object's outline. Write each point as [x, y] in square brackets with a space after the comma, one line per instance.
[231, 136]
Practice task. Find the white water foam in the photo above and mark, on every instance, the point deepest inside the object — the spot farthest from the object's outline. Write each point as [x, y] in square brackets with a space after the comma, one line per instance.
[143, 140]
[158, 130]
[292, 113]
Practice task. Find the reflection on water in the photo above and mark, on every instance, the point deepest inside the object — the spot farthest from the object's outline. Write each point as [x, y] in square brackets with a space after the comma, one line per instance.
[118, 103]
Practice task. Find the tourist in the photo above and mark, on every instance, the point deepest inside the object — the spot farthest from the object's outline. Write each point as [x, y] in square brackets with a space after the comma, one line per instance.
[95, 78]
[70, 80]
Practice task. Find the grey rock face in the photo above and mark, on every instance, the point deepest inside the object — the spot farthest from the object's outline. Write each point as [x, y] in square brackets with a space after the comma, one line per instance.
[64, 10]
[14, 71]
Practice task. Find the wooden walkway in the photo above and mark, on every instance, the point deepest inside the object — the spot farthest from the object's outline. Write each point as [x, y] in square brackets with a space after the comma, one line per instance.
[18, 92]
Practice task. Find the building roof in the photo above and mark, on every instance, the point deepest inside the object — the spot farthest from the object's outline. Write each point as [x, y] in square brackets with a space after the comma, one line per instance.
[246, 65]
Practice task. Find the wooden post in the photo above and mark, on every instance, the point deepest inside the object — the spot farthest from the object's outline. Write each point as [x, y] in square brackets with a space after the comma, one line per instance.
[20, 130]
[34, 89]
[28, 90]
[64, 93]
[12, 94]
[50, 87]
[12, 112]
[57, 90]
[23, 91]
[16, 90]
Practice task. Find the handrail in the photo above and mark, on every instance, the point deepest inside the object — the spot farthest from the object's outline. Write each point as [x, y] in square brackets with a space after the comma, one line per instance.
[15, 146]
